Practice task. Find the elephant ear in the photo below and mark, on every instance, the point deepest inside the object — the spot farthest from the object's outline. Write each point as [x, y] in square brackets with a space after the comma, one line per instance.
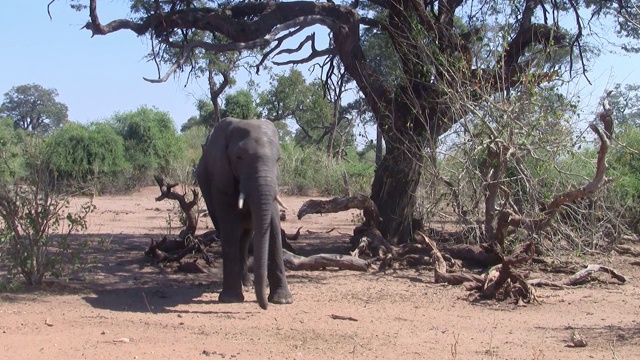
[218, 146]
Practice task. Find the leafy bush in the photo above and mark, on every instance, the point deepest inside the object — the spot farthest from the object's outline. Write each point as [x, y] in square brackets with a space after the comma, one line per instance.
[151, 142]
[625, 168]
[35, 224]
[93, 154]
[12, 162]
[303, 170]
[191, 143]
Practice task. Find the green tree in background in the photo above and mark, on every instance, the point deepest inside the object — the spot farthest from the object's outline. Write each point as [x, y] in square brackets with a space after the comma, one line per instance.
[12, 162]
[150, 140]
[291, 98]
[34, 108]
[625, 102]
[241, 105]
[204, 117]
[81, 155]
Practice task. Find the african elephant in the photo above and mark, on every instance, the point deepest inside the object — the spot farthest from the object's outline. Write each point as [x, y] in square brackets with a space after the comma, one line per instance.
[238, 178]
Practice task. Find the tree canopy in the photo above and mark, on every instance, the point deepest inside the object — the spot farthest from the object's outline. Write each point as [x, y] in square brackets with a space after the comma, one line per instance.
[34, 108]
[448, 57]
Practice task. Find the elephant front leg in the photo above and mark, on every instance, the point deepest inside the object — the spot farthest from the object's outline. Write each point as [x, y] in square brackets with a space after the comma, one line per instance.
[232, 269]
[279, 292]
[244, 255]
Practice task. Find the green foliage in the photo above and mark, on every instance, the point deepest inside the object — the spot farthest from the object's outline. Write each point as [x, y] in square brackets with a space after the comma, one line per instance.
[625, 103]
[150, 140]
[291, 98]
[80, 154]
[35, 224]
[12, 141]
[192, 141]
[240, 105]
[625, 166]
[34, 108]
[204, 118]
[305, 170]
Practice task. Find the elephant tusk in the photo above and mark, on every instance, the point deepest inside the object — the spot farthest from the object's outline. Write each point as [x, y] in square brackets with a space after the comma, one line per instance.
[279, 201]
[240, 200]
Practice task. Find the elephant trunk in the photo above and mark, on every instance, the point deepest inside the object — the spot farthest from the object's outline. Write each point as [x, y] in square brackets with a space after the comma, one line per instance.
[260, 193]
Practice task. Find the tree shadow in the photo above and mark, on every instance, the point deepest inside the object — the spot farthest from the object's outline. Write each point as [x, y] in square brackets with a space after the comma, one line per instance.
[118, 276]
[147, 299]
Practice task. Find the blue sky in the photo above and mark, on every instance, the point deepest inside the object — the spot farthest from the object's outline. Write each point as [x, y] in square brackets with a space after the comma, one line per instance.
[95, 77]
[98, 76]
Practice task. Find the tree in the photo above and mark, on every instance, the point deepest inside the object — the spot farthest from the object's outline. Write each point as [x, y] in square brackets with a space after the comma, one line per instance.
[240, 105]
[436, 44]
[625, 101]
[291, 98]
[12, 143]
[204, 118]
[150, 139]
[34, 108]
[80, 154]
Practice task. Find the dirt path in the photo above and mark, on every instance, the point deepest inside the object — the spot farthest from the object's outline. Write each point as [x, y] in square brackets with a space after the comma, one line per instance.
[126, 309]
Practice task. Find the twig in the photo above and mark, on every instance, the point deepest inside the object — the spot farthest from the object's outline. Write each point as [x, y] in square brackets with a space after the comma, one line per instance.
[146, 302]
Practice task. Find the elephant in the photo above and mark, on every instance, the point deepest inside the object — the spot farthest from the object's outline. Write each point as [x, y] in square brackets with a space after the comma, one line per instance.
[238, 178]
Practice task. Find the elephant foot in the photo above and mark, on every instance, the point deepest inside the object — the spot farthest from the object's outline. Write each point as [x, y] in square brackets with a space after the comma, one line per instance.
[230, 297]
[281, 296]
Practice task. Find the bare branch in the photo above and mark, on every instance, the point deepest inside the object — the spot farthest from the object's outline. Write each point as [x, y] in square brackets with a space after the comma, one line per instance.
[301, 23]
[508, 220]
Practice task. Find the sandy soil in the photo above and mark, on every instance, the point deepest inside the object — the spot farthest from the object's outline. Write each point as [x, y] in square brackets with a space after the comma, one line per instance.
[126, 309]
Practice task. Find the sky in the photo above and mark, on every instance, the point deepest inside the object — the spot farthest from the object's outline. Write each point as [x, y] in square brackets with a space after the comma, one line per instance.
[96, 77]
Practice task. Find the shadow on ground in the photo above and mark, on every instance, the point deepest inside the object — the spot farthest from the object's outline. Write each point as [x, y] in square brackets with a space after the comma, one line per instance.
[148, 299]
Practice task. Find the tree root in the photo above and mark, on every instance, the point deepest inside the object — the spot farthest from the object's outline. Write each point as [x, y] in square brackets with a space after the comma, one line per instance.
[626, 250]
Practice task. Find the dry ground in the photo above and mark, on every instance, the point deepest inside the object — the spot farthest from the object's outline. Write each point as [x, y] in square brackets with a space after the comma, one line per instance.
[127, 309]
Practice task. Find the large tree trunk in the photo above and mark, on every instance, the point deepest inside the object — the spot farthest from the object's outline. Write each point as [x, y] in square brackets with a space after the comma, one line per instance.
[378, 146]
[394, 187]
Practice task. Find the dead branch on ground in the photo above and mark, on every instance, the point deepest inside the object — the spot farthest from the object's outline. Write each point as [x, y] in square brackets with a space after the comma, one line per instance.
[362, 202]
[323, 261]
[581, 277]
[174, 250]
[166, 192]
[626, 250]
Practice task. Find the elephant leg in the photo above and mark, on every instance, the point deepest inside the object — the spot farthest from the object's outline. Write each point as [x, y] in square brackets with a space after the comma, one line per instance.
[231, 266]
[245, 237]
[278, 287]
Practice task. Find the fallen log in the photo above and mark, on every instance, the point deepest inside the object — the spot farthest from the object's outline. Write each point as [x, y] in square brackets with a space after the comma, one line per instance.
[295, 262]
[322, 261]
[362, 202]
[626, 250]
[580, 277]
